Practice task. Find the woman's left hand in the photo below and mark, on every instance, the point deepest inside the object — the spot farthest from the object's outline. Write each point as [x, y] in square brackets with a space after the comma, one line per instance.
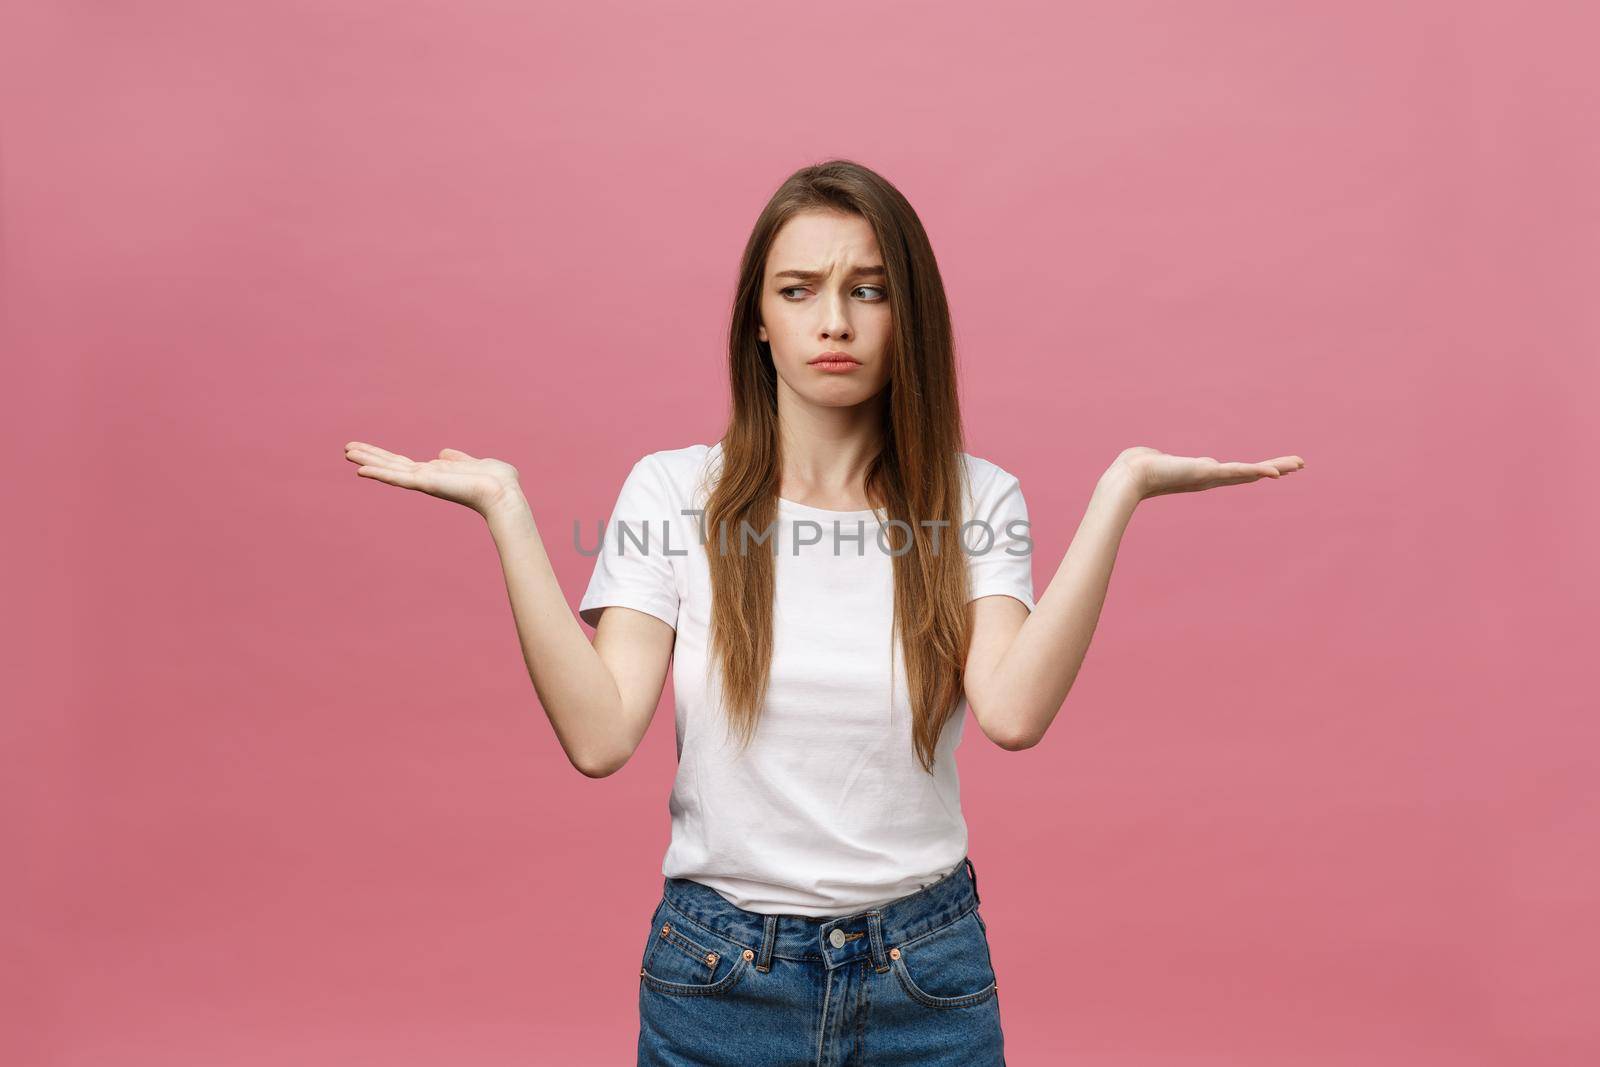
[1155, 473]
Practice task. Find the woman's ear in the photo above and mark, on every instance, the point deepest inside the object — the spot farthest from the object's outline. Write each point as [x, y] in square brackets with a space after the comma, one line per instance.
[761, 332]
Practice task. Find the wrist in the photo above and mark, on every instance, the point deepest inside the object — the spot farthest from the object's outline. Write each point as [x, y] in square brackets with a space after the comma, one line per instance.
[508, 506]
[1121, 482]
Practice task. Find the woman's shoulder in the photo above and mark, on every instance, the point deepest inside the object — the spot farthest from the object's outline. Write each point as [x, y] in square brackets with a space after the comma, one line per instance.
[985, 476]
[679, 460]
[681, 471]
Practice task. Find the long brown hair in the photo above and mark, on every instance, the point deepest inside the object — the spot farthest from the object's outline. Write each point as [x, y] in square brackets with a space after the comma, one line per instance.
[917, 476]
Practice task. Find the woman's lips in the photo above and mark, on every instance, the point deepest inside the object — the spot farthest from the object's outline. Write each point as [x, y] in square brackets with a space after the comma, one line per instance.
[836, 366]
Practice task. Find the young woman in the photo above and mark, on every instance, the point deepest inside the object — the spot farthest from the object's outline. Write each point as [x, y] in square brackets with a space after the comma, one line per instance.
[835, 583]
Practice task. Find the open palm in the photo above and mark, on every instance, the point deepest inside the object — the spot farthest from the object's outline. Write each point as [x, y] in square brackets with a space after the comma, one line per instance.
[1157, 473]
[480, 484]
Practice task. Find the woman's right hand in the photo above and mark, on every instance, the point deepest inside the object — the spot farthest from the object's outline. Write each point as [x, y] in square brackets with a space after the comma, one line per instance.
[481, 484]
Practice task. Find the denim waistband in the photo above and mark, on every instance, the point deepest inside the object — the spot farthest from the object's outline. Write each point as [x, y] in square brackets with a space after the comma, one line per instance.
[836, 940]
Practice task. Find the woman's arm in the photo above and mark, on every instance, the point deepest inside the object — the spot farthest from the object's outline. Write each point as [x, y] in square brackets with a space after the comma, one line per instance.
[1021, 665]
[599, 697]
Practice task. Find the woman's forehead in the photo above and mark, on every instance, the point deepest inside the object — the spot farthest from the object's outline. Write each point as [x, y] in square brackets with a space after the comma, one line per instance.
[821, 243]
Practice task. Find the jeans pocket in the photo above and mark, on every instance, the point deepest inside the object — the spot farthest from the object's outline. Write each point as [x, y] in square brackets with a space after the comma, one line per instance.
[948, 967]
[682, 958]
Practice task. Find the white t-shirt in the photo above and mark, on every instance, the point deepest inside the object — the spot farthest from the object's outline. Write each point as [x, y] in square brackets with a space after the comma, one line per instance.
[828, 812]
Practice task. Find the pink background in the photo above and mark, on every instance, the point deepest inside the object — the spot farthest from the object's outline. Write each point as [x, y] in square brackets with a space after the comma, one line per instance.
[276, 787]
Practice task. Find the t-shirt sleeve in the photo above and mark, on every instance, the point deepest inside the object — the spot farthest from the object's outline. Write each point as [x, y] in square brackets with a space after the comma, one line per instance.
[633, 569]
[1007, 565]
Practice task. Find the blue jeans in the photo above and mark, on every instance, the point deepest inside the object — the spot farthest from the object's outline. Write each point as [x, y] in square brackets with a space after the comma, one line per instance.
[908, 982]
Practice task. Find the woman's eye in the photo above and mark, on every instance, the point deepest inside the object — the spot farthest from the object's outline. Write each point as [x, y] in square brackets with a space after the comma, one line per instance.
[880, 290]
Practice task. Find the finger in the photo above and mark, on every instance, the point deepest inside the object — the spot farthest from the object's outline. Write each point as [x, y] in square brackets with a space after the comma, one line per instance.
[377, 459]
[392, 475]
[454, 453]
[362, 455]
[1281, 466]
[1255, 470]
[392, 463]
[382, 452]
[1242, 472]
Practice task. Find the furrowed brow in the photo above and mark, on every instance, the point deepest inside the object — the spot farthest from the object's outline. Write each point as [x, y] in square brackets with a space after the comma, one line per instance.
[815, 275]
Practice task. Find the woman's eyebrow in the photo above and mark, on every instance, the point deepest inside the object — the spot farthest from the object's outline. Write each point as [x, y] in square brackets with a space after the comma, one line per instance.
[813, 275]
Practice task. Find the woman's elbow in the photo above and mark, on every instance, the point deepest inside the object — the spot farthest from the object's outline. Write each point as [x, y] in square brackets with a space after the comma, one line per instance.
[602, 765]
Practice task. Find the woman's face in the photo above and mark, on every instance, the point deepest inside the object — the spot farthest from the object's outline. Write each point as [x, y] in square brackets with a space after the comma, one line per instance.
[824, 291]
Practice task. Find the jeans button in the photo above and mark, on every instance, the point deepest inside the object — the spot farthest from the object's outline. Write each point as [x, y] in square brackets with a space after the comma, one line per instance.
[836, 939]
